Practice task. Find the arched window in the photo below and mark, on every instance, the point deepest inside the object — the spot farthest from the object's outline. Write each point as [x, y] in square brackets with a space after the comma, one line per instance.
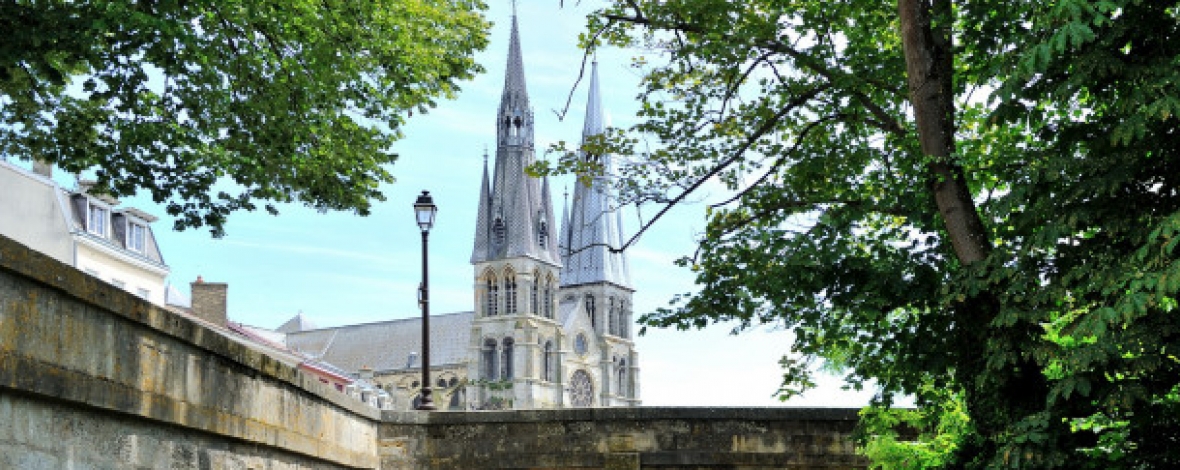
[624, 319]
[547, 298]
[622, 381]
[534, 306]
[590, 310]
[619, 319]
[507, 367]
[509, 293]
[548, 362]
[493, 296]
[610, 319]
[489, 360]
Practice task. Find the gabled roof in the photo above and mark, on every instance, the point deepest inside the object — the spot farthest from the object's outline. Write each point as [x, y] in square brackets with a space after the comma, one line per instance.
[387, 345]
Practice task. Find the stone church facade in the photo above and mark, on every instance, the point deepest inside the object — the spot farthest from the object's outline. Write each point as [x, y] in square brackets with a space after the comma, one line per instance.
[552, 321]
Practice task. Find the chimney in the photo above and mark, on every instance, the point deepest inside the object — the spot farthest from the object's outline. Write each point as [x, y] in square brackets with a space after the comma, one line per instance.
[43, 168]
[208, 302]
[366, 373]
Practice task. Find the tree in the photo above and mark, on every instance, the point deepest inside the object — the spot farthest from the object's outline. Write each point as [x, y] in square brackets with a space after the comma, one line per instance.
[216, 106]
[973, 197]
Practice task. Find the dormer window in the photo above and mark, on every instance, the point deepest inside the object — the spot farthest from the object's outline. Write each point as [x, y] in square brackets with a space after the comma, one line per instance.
[498, 230]
[96, 220]
[136, 237]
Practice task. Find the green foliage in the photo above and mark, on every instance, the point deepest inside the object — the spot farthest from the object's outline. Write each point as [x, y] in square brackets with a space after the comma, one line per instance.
[935, 432]
[1062, 345]
[288, 100]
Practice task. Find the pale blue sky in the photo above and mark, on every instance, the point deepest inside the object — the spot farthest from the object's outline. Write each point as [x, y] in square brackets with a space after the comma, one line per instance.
[339, 268]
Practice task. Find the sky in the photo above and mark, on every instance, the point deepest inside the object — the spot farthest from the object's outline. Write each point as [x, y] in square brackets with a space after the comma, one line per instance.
[340, 268]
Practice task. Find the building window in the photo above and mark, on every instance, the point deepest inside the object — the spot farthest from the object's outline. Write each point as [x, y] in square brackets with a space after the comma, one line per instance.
[622, 381]
[610, 318]
[617, 317]
[547, 298]
[581, 345]
[590, 311]
[534, 306]
[493, 295]
[507, 371]
[548, 362]
[543, 235]
[550, 298]
[509, 293]
[498, 231]
[581, 389]
[624, 320]
[96, 221]
[136, 237]
[489, 359]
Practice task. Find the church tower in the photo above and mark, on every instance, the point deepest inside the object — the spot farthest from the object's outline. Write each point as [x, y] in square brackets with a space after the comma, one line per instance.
[516, 264]
[594, 274]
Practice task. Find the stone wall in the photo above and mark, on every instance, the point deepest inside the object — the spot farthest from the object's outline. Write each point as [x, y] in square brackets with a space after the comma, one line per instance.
[94, 377]
[622, 439]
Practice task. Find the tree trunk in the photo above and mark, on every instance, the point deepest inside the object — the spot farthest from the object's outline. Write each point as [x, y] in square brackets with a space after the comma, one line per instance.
[930, 68]
[996, 398]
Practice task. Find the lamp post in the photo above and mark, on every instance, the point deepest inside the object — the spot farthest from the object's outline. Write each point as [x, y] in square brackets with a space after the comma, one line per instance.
[424, 210]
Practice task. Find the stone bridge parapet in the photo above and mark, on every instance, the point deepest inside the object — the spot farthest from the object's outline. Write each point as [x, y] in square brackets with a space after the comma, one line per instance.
[95, 377]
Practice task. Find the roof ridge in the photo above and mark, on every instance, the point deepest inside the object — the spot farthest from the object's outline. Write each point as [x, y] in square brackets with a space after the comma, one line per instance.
[395, 320]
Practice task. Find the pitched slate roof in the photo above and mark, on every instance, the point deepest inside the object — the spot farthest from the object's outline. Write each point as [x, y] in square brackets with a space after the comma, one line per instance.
[295, 324]
[387, 345]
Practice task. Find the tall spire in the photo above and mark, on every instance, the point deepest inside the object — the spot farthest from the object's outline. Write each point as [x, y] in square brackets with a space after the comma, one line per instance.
[482, 230]
[519, 222]
[516, 94]
[594, 226]
[564, 245]
[595, 119]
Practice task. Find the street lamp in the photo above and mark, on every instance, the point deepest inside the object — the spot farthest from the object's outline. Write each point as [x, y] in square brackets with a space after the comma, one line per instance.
[424, 210]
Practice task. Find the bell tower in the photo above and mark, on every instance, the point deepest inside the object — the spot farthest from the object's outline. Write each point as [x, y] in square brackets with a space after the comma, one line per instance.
[516, 263]
[595, 273]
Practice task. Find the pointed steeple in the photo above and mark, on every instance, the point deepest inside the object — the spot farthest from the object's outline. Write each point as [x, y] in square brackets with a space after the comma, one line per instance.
[565, 226]
[515, 121]
[595, 116]
[518, 220]
[594, 226]
[482, 230]
[515, 90]
[549, 228]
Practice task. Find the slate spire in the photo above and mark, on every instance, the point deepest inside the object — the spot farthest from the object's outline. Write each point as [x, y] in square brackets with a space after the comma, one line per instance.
[482, 217]
[518, 221]
[594, 227]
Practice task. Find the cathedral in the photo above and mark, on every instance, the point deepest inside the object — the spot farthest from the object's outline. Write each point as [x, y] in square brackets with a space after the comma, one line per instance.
[551, 327]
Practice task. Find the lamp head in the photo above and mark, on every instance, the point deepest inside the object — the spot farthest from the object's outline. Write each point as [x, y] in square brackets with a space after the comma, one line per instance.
[424, 210]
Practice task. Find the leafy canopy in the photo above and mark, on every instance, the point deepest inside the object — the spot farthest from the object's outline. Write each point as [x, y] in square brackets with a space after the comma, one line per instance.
[290, 100]
[973, 202]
